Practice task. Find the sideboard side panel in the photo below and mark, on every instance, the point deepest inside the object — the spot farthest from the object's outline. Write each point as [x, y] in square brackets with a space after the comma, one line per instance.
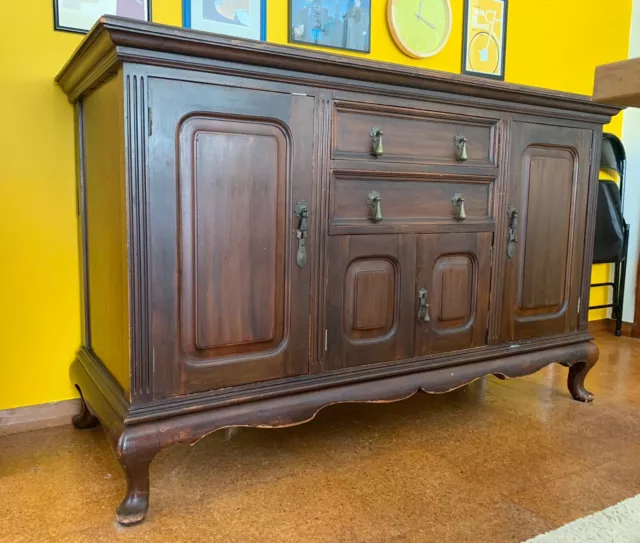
[106, 228]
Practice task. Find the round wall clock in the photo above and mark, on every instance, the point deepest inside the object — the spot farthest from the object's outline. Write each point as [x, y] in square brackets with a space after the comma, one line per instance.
[420, 28]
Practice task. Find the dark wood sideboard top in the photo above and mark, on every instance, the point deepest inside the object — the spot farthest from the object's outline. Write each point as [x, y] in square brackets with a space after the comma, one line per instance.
[115, 39]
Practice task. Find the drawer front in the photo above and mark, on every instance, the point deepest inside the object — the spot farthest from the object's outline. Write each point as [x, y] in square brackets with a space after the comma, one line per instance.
[411, 136]
[363, 200]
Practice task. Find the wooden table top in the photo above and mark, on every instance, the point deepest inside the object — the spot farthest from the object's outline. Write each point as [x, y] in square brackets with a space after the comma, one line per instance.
[618, 83]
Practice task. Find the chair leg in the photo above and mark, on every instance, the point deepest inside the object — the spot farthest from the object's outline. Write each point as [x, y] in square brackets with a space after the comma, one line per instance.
[622, 280]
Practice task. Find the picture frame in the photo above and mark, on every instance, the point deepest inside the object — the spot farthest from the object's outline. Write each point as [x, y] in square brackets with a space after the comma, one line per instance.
[79, 16]
[334, 24]
[215, 16]
[484, 45]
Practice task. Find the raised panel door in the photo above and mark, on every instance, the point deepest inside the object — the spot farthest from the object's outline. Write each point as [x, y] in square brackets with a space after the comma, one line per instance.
[233, 280]
[238, 162]
[547, 199]
[369, 299]
[453, 281]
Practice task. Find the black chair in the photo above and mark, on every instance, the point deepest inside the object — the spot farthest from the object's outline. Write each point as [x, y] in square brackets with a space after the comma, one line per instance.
[612, 232]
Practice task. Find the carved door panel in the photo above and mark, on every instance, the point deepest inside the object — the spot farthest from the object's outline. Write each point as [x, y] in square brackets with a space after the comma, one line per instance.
[453, 281]
[547, 199]
[238, 161]
[370, 299]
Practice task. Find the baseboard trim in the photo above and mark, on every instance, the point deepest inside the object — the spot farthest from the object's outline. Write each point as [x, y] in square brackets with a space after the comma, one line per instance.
[609, 325]
[36, 417]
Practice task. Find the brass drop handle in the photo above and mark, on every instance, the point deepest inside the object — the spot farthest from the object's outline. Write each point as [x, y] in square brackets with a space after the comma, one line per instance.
[512, 213]
[302, 212]
[423, 306]
[374, 200]
[376, 141]
[460, 143]
[458, 207]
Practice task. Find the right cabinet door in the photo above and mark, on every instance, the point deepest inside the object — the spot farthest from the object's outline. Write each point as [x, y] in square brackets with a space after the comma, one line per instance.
[453, 279]
[548, 182]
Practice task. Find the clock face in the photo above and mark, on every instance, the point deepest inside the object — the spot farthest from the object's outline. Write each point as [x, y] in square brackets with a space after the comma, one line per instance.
[420, 28]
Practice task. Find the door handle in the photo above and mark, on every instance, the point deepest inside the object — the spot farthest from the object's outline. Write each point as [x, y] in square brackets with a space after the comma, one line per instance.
[512, 213]
[302, 212]
[460, 143]
[458, 207]
[423, 306]
[375, 200]
[376, 141]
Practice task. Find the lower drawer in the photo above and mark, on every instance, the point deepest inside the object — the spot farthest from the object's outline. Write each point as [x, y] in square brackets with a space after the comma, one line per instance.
[369, 201]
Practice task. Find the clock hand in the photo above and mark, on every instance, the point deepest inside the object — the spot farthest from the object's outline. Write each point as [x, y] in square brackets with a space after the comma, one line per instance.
[420, 18]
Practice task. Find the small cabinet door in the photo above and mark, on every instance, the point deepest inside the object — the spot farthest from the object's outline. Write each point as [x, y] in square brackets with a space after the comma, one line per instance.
[369, 315]
[547, 200]
[452, 291]
[227, 167]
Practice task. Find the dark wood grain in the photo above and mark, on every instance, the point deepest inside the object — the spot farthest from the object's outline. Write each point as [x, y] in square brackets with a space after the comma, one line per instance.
[370, 292]
[216, 398]
[81, 212]
[410, 135]
[233, 235]
[383, 302]
[105, 208]
[455, 269]
[236, 262]
[546, 236]
[407, 201]
[85, 419]
[590, 228]
[136, 446]
[115, 39]
[194, 150]
[135, 141]
[549, 182]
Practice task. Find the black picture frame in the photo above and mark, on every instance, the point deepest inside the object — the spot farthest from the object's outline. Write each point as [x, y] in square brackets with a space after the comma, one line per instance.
[503, 45]
[292, 39]
[61, 28]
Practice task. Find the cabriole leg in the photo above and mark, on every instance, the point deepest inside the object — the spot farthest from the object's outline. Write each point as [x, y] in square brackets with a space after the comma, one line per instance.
[578, 372]
[135, 464]
[84, 419]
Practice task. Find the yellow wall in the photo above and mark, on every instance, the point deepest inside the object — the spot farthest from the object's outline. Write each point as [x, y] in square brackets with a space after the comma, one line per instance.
[551, 43]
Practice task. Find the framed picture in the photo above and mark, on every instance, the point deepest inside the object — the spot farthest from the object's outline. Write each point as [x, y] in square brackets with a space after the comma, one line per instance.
[237, 18]
[80, 15]
[484, 38]
[340, 24]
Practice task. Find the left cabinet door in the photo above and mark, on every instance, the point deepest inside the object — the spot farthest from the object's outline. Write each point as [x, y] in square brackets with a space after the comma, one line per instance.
[228, 168]
[369, 313]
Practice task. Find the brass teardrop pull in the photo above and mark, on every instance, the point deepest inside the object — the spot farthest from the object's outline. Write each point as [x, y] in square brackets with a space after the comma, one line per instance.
[374, 200]
[423, 306]
[302, 212]
[458, 207]
[460, 143]
[376, 141]
[512, 213]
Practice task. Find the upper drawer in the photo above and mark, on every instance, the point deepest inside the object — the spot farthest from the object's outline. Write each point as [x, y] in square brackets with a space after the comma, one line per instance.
[411, 135]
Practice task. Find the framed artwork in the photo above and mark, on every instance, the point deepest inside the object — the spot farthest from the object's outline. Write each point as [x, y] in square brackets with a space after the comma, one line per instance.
[485, 38]
[340, 24]
[237, 18]
[80, 15]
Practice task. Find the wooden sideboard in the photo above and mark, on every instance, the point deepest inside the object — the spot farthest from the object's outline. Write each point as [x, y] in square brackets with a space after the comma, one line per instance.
[267, 230]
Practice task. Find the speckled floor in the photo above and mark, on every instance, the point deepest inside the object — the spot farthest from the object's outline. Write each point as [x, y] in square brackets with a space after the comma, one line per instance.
[494, 461]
